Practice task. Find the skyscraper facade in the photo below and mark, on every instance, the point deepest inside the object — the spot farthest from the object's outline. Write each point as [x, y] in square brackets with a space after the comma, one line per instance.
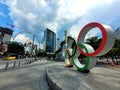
[49, 41]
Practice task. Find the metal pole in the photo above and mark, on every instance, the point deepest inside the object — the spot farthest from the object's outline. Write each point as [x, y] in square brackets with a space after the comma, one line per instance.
[65, 32]
[6, 65]
[33, 38]
[19, 64]
[14, 64]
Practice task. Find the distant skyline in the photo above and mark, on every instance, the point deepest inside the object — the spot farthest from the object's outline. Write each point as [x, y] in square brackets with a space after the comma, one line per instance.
[57, 15]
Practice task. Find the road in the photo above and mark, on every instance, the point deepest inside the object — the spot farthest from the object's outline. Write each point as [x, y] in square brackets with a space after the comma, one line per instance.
[27, 77]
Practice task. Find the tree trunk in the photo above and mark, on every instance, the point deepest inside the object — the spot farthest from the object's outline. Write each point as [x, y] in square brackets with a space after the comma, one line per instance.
[113, 60]
[117, 63]
[107, 58]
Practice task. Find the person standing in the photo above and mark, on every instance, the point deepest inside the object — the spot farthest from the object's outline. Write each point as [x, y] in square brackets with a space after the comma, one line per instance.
[3, 48]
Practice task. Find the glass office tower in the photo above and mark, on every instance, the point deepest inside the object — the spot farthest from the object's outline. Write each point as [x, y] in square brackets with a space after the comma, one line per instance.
[50, 41]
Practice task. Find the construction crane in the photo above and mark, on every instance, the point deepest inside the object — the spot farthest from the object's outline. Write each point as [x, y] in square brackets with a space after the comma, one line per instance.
[12, 26]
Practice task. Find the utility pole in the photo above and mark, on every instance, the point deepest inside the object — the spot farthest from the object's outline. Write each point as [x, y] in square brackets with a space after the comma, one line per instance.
[65, 32]
[33, 38]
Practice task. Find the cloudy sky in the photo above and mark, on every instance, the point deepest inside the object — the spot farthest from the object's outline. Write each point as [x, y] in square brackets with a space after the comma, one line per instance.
[58, 15]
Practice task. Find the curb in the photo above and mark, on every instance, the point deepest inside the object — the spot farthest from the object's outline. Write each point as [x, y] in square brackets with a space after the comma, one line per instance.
[51, 84]
[62, 78]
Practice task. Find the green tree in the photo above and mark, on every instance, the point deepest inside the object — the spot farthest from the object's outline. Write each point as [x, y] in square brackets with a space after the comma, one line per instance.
[114, 52]
[15, 47]
[41, 52]
[94, 42]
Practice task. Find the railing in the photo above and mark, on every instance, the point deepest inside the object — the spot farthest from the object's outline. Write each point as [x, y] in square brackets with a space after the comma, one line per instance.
[17, 62]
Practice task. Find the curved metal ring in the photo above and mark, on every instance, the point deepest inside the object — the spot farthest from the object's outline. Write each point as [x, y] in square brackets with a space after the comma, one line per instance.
[90, 61]
[108, 38]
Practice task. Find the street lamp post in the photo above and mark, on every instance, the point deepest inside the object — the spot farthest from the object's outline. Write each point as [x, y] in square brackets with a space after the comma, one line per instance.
[65, 32]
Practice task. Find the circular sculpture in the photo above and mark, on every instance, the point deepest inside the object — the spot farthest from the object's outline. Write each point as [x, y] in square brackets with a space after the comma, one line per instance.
[67, 51]
[108, 38]
[71, 51]
[90, 62]
[68, 59]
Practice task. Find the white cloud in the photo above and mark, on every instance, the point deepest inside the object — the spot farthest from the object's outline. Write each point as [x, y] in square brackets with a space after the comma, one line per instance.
[22, 38]
[37, 15]
[32, 14]
[107, 13]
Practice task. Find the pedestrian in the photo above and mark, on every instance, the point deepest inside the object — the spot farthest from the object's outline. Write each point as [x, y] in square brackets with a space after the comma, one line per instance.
[3, 48]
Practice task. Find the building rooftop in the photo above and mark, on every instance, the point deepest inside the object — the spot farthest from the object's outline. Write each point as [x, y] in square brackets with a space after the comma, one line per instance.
[6, 30]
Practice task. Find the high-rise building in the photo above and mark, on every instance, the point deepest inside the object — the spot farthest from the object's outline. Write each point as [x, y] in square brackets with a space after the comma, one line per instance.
[49, 41]
[5, 34]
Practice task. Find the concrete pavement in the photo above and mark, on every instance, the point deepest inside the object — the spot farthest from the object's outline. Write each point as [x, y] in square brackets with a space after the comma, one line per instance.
[28, 77]
[33, 77]
[100, 78]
